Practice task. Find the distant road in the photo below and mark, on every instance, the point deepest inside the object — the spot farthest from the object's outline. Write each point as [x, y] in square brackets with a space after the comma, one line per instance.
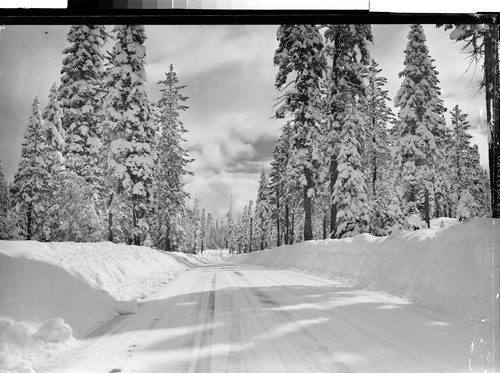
[235, 318]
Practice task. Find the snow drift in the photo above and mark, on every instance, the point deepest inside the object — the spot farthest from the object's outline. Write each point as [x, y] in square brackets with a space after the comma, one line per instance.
[449, 269]
[53, 292]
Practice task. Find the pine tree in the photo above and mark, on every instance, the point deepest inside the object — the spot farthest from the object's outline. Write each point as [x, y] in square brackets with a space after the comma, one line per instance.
[284, 189]
[4, 205]
[300, 51]
[347, 51]
[461, 152]
[170, 169]
[262, 212]
[81, 100]
[378, 117]
[131, 130]
[350, 190]
[30, 187]
[482, 41]
[231, 229]
[419, 116]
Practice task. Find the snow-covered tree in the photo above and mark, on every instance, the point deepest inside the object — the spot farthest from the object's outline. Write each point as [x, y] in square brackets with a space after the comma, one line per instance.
[231, 229]
[30, 188]
[347, 55]
[4, 205]
[81, 99]
[130, 128]
[419, 116]
[262, 212]
[172, 161]
[350, 190]
[378, 117]
[300, 55]
[482, 42]
[466, 206]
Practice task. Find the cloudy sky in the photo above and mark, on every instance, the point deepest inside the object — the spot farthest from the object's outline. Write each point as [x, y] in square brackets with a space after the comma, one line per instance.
[229, 75]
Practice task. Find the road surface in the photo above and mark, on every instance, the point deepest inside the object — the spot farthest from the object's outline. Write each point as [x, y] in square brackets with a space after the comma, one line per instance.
[235, 318]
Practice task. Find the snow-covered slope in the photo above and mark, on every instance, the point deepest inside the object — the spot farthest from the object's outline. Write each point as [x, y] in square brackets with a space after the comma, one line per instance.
[448, 269]
[50, 292]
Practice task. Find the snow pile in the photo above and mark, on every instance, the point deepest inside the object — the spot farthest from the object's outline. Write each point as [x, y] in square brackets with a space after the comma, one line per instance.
[52, 291]
[449, 269]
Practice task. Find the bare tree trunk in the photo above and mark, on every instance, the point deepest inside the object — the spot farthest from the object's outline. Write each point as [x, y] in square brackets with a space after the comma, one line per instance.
[427, 208]
[110, 218]
[308, 232]
[333, 208]
[278, 217]
[251, 231]
[491, 81]
[287, 225]
[29, 218]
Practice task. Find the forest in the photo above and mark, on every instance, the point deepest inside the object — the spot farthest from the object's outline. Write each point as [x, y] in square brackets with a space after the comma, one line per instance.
[103, 162]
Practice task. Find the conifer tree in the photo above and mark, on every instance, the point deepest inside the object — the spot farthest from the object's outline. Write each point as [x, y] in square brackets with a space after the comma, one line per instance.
[419, 114]
[350, 190]
[231, 229]
[300, 52]
[262, 212]
[4, 205]
[347, 51]
[81, 100]
[130, 128]
[30, 188]
[172, 161]
[482, 42]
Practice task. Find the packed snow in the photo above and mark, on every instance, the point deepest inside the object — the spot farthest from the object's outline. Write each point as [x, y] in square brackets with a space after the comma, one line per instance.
[53, 294]
[447, 267]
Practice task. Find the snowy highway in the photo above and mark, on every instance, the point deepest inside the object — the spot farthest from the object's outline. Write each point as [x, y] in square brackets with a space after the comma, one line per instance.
[238, 318]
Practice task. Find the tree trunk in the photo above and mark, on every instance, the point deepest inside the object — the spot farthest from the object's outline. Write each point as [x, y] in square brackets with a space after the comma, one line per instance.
[333, 208]
[324, 226]
[29, 218]
[278, 217]
[136, 238]
[110, 219]
[491, 81]
[427, 208]
[287, 225]
[308, 232]
[374, 175]
[293, 227]
[251, 231]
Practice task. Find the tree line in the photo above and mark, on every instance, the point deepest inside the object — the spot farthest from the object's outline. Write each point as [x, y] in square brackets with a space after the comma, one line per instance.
[102, 161]
[344, 164]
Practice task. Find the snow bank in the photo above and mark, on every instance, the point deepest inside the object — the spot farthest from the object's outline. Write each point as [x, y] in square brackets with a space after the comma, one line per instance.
[449, 269]
[50, 292]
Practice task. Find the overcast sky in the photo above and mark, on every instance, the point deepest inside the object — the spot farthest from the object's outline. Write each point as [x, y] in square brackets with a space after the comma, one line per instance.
[229, 75]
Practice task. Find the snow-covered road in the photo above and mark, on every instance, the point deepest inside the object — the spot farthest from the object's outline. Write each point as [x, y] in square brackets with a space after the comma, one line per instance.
[236, 318]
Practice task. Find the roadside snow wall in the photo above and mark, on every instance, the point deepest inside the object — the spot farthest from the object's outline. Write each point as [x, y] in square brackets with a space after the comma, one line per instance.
[86, 284]
[449, 269]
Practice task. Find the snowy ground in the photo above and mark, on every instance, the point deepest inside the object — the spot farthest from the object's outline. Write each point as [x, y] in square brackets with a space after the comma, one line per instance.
[448, 267]
[52, 293]
[411, 302]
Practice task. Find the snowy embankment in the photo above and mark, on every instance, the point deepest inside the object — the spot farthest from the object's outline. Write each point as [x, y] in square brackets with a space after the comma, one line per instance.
[53, 292]
[448, 269]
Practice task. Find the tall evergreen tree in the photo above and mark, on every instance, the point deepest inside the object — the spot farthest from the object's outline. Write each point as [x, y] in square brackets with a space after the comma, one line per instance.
[482, 42]
[300, 52]
[347, 51]
[350, 190]
[81, 98]
[419, 111]
[4, 205]
[172, 161]
[30, 187]
[262, 212]
[130, 126]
